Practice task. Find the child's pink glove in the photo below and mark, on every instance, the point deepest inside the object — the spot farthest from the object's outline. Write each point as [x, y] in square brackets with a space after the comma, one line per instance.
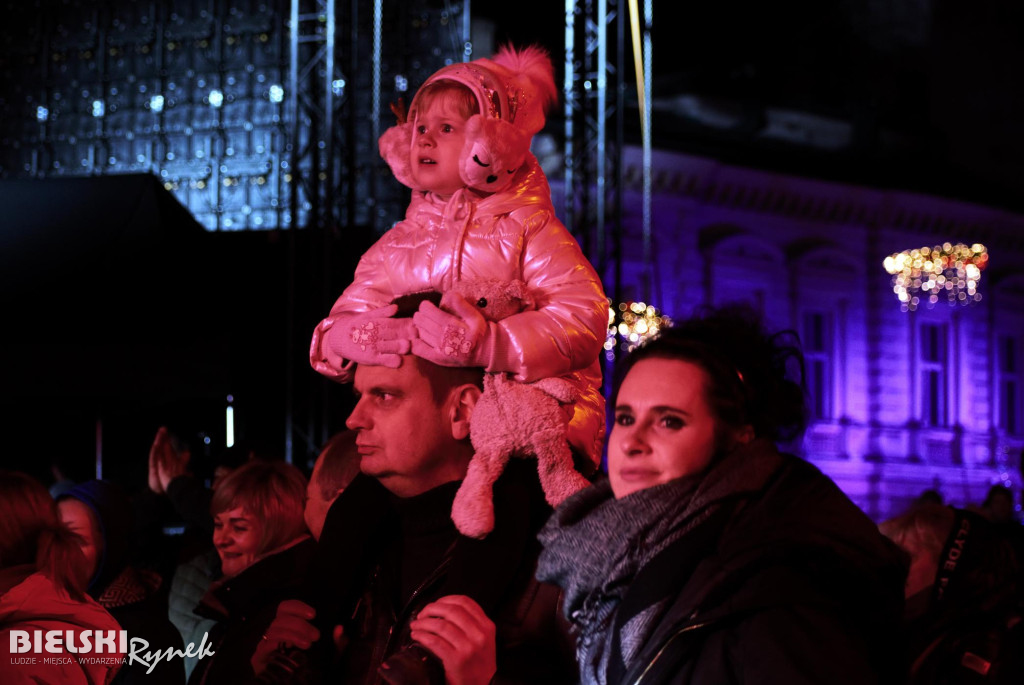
[371, 337]
[462, 338]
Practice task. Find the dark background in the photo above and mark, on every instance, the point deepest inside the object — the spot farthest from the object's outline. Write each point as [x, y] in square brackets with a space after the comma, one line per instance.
[932, 88]
[120, 313]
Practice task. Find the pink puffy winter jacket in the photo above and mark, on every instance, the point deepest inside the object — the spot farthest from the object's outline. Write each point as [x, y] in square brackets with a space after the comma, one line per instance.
[509, 235]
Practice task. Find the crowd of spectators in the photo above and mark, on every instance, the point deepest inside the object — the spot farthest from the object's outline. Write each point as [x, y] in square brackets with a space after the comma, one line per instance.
[701, 554]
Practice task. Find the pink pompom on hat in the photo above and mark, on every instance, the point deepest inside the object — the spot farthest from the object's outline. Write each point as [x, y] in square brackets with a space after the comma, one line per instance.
[514, 90]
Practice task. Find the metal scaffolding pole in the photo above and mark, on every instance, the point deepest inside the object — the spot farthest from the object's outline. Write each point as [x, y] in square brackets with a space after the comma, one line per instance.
[312, 176]
[593, 131]
[346, 61]
[648, 278]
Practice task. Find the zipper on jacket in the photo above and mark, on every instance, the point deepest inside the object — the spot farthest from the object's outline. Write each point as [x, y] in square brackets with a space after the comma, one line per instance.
[370, 622]
[654, 660]
[427, 582]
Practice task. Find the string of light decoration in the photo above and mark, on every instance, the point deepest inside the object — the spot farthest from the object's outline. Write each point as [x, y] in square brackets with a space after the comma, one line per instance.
[929, 274]
[630, 324]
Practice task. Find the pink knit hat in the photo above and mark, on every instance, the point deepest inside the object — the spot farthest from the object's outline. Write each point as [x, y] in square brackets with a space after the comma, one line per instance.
[513, 90]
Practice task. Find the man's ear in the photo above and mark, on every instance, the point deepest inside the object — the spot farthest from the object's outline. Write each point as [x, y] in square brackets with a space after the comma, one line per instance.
[462, 401]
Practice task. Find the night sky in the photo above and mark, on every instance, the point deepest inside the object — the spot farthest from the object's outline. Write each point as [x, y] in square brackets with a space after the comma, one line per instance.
[933, 90]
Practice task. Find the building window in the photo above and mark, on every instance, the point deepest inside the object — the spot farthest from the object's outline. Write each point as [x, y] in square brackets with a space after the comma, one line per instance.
[934, 371]
[817, 340]
[1009, 386]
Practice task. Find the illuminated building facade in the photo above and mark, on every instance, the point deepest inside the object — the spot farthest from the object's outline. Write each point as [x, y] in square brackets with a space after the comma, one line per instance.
[901, 401]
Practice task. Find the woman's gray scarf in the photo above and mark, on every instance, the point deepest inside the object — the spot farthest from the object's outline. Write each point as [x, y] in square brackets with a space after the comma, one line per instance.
[594, 545]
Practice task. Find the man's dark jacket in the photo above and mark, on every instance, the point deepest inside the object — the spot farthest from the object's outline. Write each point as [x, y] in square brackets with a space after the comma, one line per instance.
[367, 544]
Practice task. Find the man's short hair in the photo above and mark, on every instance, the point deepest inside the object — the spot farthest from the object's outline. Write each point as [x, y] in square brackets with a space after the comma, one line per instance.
[442, 379]
[339, 464]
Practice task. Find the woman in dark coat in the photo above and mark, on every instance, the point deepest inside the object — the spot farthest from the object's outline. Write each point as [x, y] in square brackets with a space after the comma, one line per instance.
[265, 549]
[708, 556]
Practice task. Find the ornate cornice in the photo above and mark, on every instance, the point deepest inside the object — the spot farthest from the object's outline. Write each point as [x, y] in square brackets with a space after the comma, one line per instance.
[825, 202]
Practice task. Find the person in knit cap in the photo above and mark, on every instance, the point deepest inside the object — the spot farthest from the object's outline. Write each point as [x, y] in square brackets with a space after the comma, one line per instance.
[480, 210]
[102, 516]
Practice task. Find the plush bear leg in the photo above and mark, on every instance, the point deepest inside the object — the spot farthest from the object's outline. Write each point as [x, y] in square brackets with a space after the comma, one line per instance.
[473, 509]
[558, 477]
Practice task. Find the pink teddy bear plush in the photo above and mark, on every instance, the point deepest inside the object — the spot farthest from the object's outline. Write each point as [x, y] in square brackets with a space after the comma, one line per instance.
[513, 418]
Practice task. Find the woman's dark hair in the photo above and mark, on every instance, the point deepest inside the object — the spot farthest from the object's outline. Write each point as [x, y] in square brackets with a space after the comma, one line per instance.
[748, 369]
[31, 533]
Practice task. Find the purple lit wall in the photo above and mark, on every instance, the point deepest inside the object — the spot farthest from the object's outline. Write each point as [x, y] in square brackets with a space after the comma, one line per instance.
[902, 401]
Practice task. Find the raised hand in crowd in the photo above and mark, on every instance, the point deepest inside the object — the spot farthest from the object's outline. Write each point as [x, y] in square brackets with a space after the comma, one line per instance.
[154, 459]
[166, 461]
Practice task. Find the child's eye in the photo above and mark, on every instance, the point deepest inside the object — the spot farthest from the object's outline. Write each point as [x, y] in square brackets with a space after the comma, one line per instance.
[421, 130]
[447, 128]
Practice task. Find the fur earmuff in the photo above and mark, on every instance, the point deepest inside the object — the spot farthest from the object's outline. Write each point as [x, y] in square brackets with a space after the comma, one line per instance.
[394, 145]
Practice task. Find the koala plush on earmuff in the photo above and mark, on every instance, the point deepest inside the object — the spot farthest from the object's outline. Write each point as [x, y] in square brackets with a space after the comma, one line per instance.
[493, 153]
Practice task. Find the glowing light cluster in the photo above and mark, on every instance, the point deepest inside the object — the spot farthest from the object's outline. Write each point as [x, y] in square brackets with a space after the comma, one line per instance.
[630, 324]
[928, 274]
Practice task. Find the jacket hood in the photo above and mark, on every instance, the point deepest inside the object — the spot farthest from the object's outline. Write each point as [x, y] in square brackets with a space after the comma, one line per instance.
[37, 600]
[798, 518]
[837, 525]
[37, 604]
